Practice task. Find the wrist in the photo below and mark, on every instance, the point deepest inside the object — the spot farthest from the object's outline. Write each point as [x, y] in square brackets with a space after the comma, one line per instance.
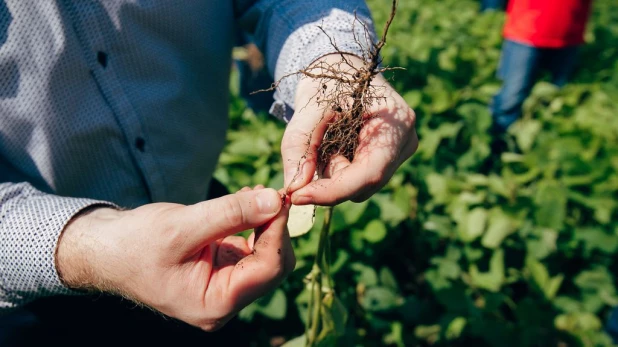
[80, 248]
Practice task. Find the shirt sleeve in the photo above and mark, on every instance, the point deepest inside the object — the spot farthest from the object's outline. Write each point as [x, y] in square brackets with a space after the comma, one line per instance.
[287, 32]
[30, 225]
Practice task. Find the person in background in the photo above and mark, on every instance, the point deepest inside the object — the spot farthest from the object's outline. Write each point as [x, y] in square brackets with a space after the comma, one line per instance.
[538, 36]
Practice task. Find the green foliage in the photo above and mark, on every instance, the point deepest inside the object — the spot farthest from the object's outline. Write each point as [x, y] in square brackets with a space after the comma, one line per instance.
[454, 251]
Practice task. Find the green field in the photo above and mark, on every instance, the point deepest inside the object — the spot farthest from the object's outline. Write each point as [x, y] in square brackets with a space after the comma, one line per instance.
[461, 248]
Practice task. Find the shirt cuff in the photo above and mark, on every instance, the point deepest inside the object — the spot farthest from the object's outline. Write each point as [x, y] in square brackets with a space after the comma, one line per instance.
[308, 43]
[30, 225]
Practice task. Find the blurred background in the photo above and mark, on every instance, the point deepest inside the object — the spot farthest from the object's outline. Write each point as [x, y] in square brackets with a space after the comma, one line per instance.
[488, 236]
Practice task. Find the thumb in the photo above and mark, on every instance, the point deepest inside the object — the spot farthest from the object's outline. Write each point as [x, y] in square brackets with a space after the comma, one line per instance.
[230, 214]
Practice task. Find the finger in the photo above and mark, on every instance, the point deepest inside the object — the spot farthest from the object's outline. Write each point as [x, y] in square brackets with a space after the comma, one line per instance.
[299, 146]
[258, 187]
[211, 220]
[271, 260]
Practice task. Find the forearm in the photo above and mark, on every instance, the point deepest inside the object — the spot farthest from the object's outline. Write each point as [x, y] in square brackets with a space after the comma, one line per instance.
[80, 246]
[30, 225]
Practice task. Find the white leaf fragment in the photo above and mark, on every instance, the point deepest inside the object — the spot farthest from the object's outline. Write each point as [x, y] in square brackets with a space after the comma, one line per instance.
[301, 219]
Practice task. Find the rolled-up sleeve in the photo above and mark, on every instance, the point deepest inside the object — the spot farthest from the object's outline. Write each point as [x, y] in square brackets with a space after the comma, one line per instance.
[30, 226]
[288, 33]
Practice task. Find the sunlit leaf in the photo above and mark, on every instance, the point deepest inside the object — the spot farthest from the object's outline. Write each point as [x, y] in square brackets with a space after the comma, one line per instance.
[500, 226]
[377, 299]
[301, 219]
[493, 279]
[375, 231]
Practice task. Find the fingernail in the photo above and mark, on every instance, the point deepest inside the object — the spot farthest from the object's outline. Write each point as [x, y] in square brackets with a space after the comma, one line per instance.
[268, 201]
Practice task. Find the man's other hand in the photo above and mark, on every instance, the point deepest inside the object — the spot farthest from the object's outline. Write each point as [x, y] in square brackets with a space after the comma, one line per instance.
[387, 139]
[183, 261]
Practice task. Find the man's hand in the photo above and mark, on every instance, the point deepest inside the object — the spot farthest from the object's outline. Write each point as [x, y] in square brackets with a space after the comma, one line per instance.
[386, 141]
[183, 260]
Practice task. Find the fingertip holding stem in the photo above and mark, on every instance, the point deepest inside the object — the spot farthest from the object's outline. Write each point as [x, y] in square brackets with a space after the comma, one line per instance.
[300, 199]
[286, 201]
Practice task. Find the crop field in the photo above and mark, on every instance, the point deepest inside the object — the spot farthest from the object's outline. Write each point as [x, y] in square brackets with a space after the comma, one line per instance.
[463, 247]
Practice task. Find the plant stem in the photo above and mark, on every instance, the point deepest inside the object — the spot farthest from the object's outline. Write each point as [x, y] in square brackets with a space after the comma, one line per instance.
[319, 269]
[323, 241]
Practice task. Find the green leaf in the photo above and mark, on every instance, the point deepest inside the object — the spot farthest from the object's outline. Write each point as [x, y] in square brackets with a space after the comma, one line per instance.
[377, 299]
[474, 225]
[390, 213]
[388, 280]
[498, 186]
[595, 280]
[427, 332]
[500, 227]
[437, 280]
[551, 289]
[273, 306]
[448, 266]
[455, 328]
[438, 188]
[247, 313]
[550, 201]
[351, 211]
[580, 321]
[494, 278]
[365, 274]
[567, 304]
[395, 336]
[299, 341]
[548, 286]
[249, 146]
[441, 225]
[544, 246]
[525, 133]
[413, 98]
[597, 239]
[597, 288]
[375, 231]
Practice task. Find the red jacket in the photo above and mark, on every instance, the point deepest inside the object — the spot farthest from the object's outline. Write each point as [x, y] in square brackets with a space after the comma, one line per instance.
[547, 23]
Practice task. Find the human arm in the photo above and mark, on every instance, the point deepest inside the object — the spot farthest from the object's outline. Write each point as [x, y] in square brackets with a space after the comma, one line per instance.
[179, 260]
[182, 261]
[317, 26]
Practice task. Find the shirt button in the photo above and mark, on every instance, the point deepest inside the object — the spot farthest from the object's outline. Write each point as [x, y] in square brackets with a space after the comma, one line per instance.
[140, 144]
[102, 58]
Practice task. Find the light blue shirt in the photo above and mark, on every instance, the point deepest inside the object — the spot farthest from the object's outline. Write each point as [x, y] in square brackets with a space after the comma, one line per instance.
[126, 102]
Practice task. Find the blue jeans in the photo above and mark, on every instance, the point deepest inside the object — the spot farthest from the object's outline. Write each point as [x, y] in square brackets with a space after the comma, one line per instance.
[492, 5]
[520, 66]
